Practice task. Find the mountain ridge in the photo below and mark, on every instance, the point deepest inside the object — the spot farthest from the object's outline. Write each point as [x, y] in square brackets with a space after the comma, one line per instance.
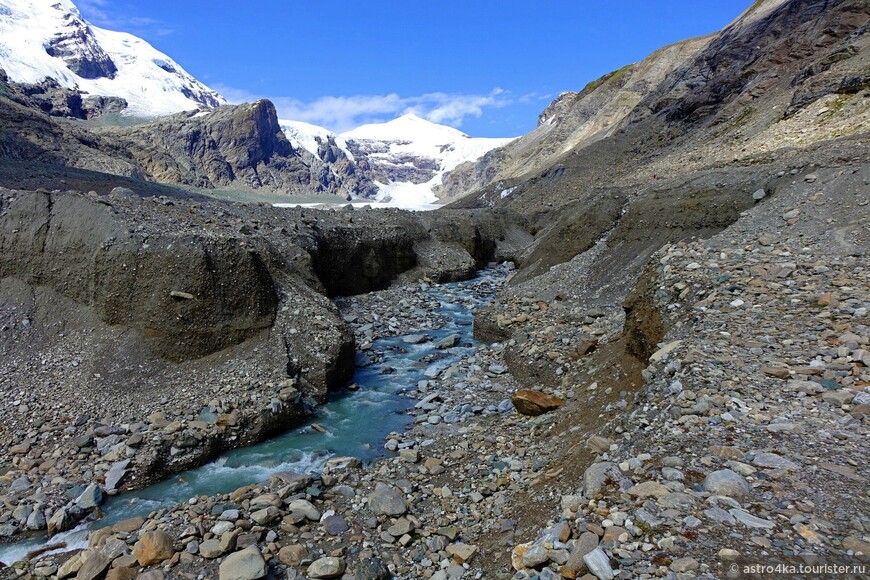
[750, 87]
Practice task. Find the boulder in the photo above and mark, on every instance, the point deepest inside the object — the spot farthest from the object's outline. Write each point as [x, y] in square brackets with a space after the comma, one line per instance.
[535, 402]
[595, 477]
[726, 482]
[292, 555]
[94, 565]
[387, 501]
[153, 547]
[248, 564]
[328, 567]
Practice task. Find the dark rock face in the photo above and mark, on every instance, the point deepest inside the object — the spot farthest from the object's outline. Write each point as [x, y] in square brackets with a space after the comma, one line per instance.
[240, 145]
[558, 108]
[354, 257]
[232, 144]
[78, 49]
[97, 105]
[51, 98]
[800, 38]
[80, 250]
[387, 169]
[348, 264]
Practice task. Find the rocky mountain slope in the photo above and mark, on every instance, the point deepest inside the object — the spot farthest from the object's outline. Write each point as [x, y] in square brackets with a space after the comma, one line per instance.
[233, 146]
[238, 146]
[42, 39]
[703, 102]
[683, 156]
[571, 121]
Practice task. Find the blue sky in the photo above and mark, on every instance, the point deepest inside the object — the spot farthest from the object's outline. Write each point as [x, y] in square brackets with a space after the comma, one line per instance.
[486, 67]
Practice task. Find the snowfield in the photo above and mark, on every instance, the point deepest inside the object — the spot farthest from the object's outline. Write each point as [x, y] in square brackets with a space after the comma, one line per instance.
[152, 83]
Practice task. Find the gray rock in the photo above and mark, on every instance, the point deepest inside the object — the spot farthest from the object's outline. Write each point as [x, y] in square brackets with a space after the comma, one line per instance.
[36, 520]
[681, 565]
[400, 528]
[328, 567]
[595, 476]
[749, 520]
[116, 473]
[385, 500]
[717, 514]
[304, 507]
[19, 484]
[535, 556]
[759, 194]
[265, 516]
[587, 542]
[247, 564]
[372, 569]
[677, 500]
[691, 522]
[447, 342]
[647, 519]
[62, 520]
[210, 549]
[774, 461]
[726, 482]
[94, 565]
[91, 497]
[598, 564]
[335, 525]
[229, 515]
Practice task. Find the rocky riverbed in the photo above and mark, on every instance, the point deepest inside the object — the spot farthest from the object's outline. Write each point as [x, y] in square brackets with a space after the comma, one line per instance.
[706, 423]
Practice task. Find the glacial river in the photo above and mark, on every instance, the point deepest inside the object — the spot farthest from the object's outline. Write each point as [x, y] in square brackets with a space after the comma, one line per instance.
[355, 422]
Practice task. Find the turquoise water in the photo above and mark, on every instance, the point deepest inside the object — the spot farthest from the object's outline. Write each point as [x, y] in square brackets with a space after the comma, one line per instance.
[356, 422]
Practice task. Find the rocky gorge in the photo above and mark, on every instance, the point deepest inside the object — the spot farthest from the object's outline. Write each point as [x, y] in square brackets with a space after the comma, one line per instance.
[639, 348]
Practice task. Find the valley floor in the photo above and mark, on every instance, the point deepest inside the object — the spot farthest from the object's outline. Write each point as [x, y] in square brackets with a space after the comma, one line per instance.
[722, 419]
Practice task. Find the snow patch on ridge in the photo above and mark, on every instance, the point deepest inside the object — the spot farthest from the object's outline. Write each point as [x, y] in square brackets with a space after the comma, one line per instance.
[305, 135]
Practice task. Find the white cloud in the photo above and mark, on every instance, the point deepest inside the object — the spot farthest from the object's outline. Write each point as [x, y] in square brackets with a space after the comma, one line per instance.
[343, 113]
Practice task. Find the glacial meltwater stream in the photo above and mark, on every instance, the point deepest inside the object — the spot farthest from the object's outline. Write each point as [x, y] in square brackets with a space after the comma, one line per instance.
[355, 422]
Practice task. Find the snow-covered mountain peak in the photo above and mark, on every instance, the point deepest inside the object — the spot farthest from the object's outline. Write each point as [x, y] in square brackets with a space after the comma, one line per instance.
[49, 39]
[408, 126]
[408, 156]
[405, 157]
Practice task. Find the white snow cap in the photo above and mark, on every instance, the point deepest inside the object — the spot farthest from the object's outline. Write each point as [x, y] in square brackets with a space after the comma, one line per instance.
[412, 135]
[151, 82]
